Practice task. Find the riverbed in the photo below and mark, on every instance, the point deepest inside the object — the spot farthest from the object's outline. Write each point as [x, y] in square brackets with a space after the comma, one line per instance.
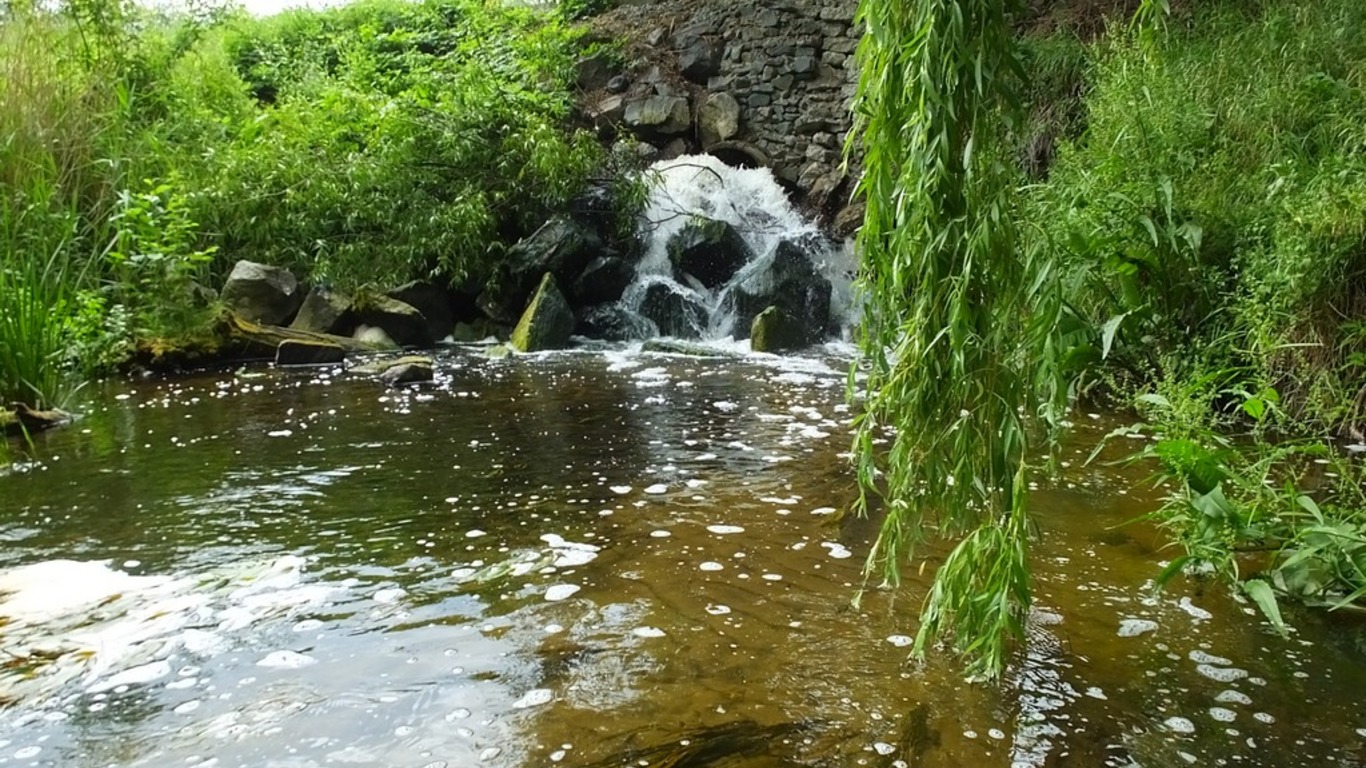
[600, 557]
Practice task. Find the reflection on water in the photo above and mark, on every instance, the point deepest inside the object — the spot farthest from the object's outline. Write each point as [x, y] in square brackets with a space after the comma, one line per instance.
[591, 559]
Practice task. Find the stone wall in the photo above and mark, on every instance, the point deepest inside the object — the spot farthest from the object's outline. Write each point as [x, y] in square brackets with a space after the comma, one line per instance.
[770, 82]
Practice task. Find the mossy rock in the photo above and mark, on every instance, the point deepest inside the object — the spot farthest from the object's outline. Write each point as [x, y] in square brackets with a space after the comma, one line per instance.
[776, 331]
[547, 322]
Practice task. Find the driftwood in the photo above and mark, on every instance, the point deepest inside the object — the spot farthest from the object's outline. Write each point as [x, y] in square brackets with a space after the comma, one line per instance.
[21, 419]
[254, 337]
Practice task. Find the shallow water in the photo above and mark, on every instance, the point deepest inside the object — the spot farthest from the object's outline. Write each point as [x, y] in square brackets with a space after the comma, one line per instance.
[587, 559]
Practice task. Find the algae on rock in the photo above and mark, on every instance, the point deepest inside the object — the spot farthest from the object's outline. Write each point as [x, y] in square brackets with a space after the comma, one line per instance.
[547, 322]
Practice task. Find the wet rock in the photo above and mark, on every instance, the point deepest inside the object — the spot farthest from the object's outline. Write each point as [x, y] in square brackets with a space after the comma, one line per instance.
[774, 330]
[791, 282]
[478, 329]
[849, 219]
[261, 293]
[299, 352]
[709, 250]
[675, 312]
[613, 322]
[618, 84]
[325, 311]
[679, 347]
[400, 321]
[604, 280]
[658, 115]
[409, 369]
[562, 247]
[608, 111]
[718, 118]
[432, 301]
[547, 322]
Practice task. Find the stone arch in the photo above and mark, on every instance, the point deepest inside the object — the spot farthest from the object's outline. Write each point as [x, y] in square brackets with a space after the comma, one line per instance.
[740, 154]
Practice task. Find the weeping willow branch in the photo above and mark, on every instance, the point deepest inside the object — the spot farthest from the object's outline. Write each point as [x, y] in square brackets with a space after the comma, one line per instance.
[957, 324]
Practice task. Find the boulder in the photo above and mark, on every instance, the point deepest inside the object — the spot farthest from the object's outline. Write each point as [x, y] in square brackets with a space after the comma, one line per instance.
[789, 281]
[325, 311]
[774, 330]
[547, 322]
[398, 370]
[608, 111]
[399, 320]
[699, 59]
[594, 72]
[675, 312]
[613, 322]
[718, 118]
[300, 352]
[658, 115]
[850, 219]
[708, 249]
[432, 301]
[604, 280]
[562, 247]
[261, 293]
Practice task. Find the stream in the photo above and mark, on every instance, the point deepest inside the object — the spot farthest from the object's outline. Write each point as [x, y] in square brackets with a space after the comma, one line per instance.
[599, 557]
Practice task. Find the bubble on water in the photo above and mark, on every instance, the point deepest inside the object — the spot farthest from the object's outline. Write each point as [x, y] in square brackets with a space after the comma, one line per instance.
[182, 683]
[996, 733]
[404, 730]
[883, 748]
[136, 676]
[280, 433]
[490, 753]
[1136, 627]
[534, 698]
[1221, 674]
[657, 489]
[557, 755]
[24, 753]
[647, 632]
[459, 713]
[716, 609]
[1195, 611]
[1096, 693]
[711, 565]
[660, 534]
[900, 641]
[1179, 725]
[391, 595]
[1263, 717]
[186, 708]
[475, 533]
[1223, 715]
[620, 490]
[1200, 657]
[553, 629]
[131, 563]
[56, 717]
[308, 625]
[1361, 732]
[561, 591]
[837, 550]
[773, 577]
[782, 502]
[725, 406]
[696, 483]
[725, 529]
[286, 660]
[970, 734]
[1233, 697]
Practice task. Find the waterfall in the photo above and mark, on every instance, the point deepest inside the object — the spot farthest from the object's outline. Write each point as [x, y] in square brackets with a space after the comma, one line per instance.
[752, 202]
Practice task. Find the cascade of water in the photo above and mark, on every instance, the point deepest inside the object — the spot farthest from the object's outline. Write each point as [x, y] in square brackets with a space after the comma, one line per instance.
[752, 202]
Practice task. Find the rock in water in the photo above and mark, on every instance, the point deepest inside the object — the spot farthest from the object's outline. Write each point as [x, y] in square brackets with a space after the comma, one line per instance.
[299, 352]
[790, 282]
[402, 322]
[261, 293]
[776, 331]
[325, 311]
[432, 301]
[708, 249]
[674, 310]
[547, 322]
[562, 247]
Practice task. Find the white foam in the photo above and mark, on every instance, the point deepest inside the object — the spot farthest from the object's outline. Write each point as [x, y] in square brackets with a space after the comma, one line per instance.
[561, 591]
[534, 698]
[723, 530]
[1136, 627]
[286, 660]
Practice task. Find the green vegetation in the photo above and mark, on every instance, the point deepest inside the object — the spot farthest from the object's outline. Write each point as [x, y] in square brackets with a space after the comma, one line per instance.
[141, 155]
[1188, 239]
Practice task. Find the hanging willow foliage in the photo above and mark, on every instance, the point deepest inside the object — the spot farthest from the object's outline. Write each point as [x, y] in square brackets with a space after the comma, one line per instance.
[950, 321]
[960, 327]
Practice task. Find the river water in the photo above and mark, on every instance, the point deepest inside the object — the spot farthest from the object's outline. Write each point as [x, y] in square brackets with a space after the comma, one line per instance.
[592, 558]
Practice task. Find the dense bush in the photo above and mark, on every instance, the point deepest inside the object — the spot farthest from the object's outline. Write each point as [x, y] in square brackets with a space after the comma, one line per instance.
[140, 155]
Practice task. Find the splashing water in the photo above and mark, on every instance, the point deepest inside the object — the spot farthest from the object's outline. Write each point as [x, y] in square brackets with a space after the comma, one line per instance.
[751, 201]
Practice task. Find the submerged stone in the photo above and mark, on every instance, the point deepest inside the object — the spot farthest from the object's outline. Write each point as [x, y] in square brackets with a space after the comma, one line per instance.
[547, 322]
